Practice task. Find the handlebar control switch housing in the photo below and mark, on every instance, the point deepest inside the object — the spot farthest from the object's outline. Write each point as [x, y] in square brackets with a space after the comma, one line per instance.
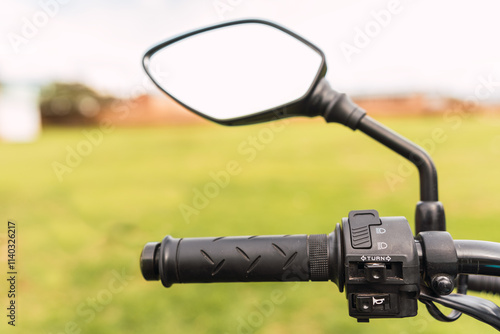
[381, 266]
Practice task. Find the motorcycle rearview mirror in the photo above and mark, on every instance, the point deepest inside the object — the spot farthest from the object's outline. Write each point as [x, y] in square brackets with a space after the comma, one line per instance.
[239, 72]
[254, 71]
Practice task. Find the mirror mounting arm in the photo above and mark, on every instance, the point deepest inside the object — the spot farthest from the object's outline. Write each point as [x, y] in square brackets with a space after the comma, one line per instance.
[337, 107]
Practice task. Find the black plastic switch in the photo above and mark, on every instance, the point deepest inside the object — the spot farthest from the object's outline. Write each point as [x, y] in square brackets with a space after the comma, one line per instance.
[373, 303]
[364, 303]
[375, 272]
[360, 222]
[381, 266]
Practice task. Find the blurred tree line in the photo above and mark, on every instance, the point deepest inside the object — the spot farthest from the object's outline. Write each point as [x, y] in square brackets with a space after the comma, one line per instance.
[71, 104]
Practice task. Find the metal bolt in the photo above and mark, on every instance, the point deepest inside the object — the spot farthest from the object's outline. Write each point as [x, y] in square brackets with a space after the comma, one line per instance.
[442, 284]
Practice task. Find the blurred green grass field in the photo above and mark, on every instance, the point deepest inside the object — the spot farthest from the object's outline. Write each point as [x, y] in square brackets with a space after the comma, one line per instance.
[76, 236]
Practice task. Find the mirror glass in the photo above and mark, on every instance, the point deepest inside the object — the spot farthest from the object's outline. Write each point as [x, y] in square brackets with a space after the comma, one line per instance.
[236, 70]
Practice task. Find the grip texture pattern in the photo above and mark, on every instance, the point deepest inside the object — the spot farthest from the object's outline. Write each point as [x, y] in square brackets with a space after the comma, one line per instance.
[242, 259]
[318, 257]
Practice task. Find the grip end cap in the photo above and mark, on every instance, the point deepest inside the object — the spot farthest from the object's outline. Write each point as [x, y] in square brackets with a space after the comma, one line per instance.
[149, 261]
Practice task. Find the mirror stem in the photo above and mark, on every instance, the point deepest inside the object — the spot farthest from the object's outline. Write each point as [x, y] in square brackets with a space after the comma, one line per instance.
[338, 107]
[407, 149]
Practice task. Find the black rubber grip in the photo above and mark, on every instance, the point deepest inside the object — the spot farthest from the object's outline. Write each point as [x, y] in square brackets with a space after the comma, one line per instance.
[237, 259]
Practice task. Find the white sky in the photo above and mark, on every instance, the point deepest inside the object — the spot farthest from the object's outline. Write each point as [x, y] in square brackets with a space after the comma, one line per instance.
[441, 47]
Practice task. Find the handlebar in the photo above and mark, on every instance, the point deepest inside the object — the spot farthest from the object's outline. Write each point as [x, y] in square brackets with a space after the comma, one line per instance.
[478, 257]
[382, 266]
